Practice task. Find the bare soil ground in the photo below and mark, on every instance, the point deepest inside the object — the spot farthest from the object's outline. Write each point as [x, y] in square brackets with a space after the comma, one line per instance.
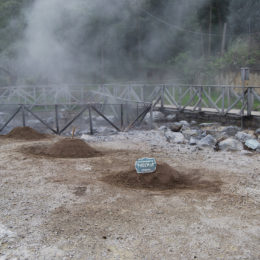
[91, 208]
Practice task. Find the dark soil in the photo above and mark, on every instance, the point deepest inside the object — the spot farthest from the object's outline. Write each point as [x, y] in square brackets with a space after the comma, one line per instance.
[25, 133]
[64, 148]
[165, 178]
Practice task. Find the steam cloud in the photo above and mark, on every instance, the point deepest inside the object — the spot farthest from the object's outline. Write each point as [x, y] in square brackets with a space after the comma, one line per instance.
[70, 41]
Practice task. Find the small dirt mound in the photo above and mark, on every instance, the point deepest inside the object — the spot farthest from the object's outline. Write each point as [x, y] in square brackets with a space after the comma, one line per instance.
[165, 178]
[71, 148]
[25, 133]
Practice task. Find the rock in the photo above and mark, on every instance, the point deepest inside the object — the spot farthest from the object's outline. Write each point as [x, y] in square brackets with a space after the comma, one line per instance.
[176, 127]
[184, 123]
[231, 130]
[203, 134]
[174, 137]
[190, 132]
[193, 141]
[245, 152]
[208, 140]
[209, 124]
[171, 117]
[257, 131]
[162, 128]
[243, 137]
[252, 144]
[230, 144]
[158, 116]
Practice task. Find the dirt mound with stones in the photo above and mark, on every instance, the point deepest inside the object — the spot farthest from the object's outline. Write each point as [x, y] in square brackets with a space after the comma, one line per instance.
[25, 133]
[71, 148]
[165, 178]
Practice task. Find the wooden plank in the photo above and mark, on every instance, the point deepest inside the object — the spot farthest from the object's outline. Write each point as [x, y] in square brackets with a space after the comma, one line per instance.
[23, 115]
[171, 98]
[141, 117]
[57, 119]
[37, 117]
[234, 104]
[90, 121]
[10, 119]
[76, 117]
[102, 115]
[210, 100]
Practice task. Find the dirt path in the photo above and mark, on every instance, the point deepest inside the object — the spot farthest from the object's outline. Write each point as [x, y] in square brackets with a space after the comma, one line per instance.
[54, 208]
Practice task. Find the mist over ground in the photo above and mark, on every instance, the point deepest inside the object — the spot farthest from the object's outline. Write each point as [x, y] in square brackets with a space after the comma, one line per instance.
[106, 41]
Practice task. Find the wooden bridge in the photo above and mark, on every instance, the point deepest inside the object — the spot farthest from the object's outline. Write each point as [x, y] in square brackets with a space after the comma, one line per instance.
[122, 98]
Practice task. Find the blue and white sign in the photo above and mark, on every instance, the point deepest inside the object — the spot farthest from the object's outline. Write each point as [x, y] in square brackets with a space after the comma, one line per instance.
[145, 165]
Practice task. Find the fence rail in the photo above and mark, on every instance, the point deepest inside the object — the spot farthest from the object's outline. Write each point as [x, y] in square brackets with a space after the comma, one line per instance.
[219, 99]
[58, 118]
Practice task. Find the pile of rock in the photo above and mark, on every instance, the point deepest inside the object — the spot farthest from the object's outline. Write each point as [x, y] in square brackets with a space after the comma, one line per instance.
[230, 138]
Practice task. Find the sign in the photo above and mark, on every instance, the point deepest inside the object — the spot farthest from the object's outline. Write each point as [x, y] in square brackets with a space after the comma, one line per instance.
[244, 74]
[145, 165]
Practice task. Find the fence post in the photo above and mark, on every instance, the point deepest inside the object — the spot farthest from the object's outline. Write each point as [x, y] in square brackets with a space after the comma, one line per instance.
[90, 121]
[200, 98]
[162, 96]
[249, 101]
[223, 100]
[57, 119]
[23, 116]
[122, 115]
[151, 117]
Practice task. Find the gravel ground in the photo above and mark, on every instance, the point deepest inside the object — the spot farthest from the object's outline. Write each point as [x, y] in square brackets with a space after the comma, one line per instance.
[53, 208]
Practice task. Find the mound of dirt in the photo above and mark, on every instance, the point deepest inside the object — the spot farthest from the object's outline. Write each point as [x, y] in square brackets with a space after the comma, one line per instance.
[164, 178]
[71, 148]
[25, 133]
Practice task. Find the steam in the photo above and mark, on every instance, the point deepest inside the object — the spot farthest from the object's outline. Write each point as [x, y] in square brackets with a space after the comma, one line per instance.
[86, 40]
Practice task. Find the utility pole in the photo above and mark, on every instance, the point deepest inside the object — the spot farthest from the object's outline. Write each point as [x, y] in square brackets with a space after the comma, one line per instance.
[223, 44]
[210, 29]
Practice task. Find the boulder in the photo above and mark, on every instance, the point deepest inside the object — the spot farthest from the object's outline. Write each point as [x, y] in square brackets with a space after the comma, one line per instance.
[257, 131]
[176, 127]
[190, 132]
[158, 116]
[209, 124]
[243, 137]
[231, 130]
[184, 123]
[208, 140]
[163, 128]
[174, 137]
[170, 117]
[252, 144]
[230, 144]
[246, 152]
[193, 141]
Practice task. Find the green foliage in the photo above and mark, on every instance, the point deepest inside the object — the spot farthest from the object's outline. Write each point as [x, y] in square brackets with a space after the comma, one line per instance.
[238, 55]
